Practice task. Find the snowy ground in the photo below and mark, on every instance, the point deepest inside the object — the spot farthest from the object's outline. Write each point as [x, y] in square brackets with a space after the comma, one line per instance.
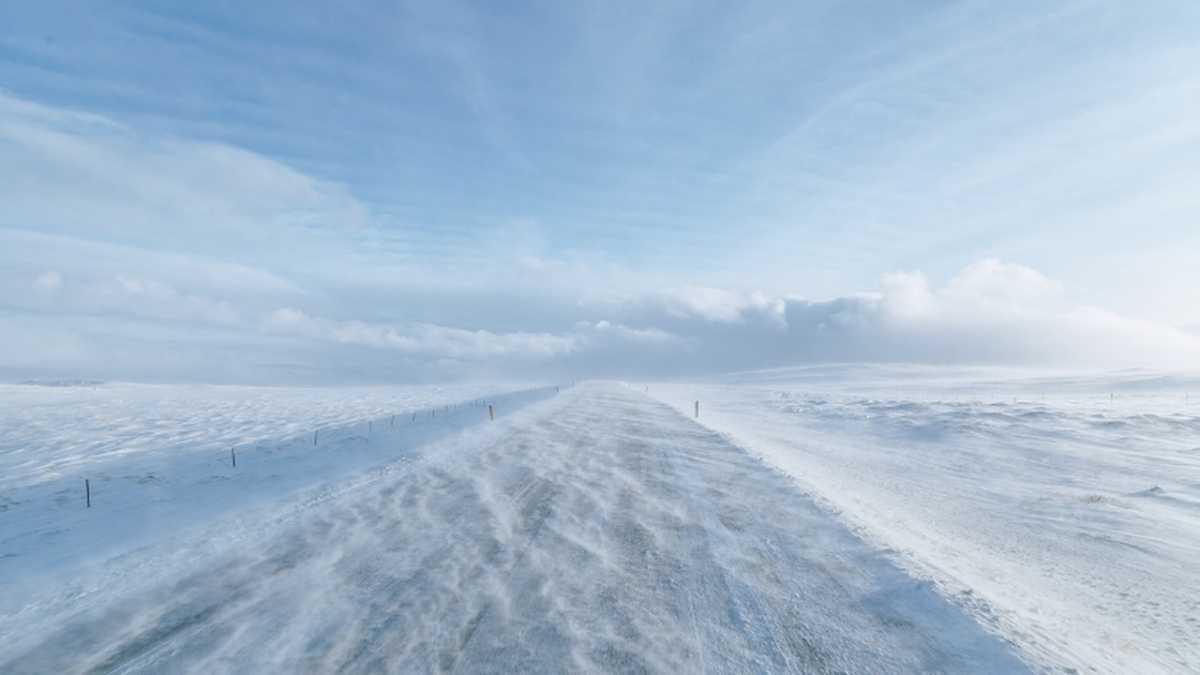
[159, 459]
[1062, 512]
[54, 432]
[596, 531]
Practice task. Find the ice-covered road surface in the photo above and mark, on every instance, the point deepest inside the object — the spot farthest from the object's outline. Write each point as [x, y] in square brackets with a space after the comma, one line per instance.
[599, 531]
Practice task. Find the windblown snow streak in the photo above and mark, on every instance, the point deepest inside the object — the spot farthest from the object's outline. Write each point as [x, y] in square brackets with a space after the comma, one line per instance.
[142, 493]
[56, 431]
[597, 532]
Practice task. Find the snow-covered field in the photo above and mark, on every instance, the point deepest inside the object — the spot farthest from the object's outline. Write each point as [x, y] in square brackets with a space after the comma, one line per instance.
[52, 432]
[1062, 511]
[158, 459]
[597, 531]
[935, 520]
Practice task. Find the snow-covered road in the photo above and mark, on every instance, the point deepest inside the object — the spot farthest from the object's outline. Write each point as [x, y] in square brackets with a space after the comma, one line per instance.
[599, 531]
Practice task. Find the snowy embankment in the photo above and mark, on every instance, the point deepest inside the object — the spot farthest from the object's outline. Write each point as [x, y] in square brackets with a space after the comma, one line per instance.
[1064, 512]
[159, 459]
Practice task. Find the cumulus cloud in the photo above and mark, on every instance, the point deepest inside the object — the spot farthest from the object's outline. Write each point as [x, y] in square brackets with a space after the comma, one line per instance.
[994, 282]
[992, 312]
[716, 304]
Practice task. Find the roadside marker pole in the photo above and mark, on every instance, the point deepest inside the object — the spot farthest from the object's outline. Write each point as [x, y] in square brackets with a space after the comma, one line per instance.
[87, 492]
[697, 409]
[491, 413]
[233, 456]
[315, 437]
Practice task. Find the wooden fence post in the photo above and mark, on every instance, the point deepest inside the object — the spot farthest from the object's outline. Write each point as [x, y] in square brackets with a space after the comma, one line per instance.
[491, 413]
[697, 409]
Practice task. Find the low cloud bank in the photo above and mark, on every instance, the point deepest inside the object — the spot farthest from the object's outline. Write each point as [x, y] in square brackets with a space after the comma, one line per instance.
[990, 313]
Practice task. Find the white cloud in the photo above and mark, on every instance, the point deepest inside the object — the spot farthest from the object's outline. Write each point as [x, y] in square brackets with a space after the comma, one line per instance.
[584, 341]
[605, 329]
[991, 312]
[151, 245]
[288, 320]
[994, 282]
[422, 338]
[47, 282]
[720, 305]
[713, 304]
[907, 296]
[24, 253]
[987, 286]
[84, 175]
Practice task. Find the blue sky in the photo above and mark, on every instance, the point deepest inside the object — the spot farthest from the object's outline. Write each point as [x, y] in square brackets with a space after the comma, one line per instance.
[291, 191]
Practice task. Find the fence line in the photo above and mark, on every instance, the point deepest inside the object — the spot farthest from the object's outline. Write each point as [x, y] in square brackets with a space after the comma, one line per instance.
[283, 442]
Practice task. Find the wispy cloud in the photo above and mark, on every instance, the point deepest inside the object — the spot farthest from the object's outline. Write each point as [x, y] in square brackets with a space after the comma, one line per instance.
[79, 174]
[441, 189]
